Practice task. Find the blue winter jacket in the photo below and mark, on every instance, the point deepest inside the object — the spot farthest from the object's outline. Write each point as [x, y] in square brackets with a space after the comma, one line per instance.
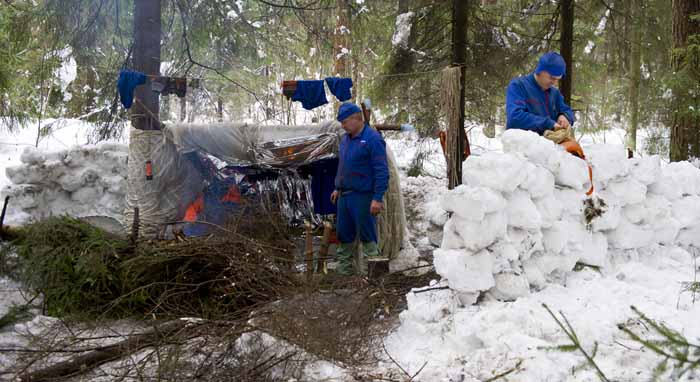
[528, 107]
[363, 164]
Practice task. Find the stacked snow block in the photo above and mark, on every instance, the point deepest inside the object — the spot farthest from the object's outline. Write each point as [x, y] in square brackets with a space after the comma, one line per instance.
[81, 181]
[517, 222]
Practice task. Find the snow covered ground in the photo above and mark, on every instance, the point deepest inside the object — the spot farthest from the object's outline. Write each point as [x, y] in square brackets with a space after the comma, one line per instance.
[515, 232]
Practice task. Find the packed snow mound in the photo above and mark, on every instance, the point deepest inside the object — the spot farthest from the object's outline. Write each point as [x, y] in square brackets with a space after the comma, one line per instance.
[80, 181]
[517, 228]
[519, 217]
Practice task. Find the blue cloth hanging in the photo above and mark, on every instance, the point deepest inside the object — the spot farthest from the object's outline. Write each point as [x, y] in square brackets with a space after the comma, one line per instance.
[311, 93]
[127, 82]
[340, 87]
[323, 184]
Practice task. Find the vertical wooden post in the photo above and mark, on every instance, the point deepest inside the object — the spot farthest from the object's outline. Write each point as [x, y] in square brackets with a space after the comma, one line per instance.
[459, 50]
[147, 30]
[341, 40]
[309, 250]
[566, 46]
[2, 215]
[323, 251]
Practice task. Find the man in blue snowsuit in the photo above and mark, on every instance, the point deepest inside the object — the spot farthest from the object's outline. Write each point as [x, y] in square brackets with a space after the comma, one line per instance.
[532, 101]
[362, 179]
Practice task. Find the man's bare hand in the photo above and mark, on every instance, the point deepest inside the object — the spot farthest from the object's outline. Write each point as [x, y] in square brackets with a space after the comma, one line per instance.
[334, 196]
[563, 121]
[376, 207]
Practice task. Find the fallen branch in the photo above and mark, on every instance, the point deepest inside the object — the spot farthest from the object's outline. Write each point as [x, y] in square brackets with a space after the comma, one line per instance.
[99, 356]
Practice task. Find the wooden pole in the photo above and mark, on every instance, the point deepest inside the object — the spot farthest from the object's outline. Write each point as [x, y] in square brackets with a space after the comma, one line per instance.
[309, 250]
[147, 34]
[459, 50]
[323, 251]
[2, 216]
[566, 46]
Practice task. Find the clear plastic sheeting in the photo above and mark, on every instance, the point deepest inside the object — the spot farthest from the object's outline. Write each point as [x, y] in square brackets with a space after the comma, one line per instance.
[176, 183]
[173, 184]
[267, 145]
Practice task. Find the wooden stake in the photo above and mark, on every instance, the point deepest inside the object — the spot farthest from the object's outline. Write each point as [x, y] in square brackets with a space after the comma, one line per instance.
[309, 250]
[4, 209]
[135, 227]
[323, 251]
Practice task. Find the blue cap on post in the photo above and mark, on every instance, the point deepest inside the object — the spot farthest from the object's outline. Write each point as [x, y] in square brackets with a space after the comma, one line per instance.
[552, 63]
[347, 109]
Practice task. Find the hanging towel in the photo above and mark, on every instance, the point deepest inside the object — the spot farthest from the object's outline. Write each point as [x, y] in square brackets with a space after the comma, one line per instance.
[340, 87]
[127, 82]
[311, 93]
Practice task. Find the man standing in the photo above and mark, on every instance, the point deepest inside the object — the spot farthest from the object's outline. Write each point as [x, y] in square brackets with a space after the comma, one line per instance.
[362, 179]
[532, 101]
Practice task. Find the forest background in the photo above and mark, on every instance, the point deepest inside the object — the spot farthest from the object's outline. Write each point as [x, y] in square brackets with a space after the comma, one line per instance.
[635, 63]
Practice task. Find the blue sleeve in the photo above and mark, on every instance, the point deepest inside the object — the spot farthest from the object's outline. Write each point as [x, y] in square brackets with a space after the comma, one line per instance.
[565, 109]
[378, 161]
[518, 117]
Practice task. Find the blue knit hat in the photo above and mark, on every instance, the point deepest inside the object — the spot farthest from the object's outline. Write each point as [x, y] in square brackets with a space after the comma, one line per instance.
[552, 63]
[347, 109]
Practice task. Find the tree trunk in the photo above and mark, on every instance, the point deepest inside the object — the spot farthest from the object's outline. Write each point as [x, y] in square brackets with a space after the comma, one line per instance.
[183, 108]
[566, 47]
[341, 40]
[147, 33]
[459, 57]
[192, 101]
[634, 73]
[685, 129]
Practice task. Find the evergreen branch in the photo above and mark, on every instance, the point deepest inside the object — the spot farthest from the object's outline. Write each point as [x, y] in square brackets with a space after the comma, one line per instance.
[192, 60]
[575, 341]
[672, 346]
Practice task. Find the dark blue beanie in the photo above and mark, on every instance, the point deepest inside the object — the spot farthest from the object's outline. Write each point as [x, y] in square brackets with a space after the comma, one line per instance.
[552, 63]
[347, 109]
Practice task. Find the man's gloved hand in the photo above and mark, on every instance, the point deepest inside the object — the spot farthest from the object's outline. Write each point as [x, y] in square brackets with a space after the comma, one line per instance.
[376, 207]
[563, 122]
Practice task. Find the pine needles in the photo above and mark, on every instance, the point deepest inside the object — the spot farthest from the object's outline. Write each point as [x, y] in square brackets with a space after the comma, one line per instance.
[682, 355]
[82, 270]
[576, 343]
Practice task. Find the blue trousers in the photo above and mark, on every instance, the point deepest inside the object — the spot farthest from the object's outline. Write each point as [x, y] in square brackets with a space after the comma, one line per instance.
[354, 217]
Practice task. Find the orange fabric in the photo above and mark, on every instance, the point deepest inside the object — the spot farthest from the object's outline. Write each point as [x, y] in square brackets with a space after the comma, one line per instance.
[233, 195]
[194, 209]
[573, 148]
[443, 143]
[590, 177]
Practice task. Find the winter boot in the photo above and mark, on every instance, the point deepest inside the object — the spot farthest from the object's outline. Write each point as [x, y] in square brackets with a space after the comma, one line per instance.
[344, 255]
[370, 250]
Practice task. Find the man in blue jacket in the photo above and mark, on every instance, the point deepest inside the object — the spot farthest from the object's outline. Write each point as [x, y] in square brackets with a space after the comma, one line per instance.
[532, 101]
[362, 179]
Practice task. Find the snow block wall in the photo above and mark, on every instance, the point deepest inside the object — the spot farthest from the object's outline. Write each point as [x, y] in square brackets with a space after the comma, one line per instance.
[81, 181]
[517, 222]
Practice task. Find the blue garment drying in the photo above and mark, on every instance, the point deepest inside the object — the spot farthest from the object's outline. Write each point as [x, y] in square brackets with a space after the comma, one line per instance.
[311, 93]
[340, 87]
[323, 184]
[127, 82]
